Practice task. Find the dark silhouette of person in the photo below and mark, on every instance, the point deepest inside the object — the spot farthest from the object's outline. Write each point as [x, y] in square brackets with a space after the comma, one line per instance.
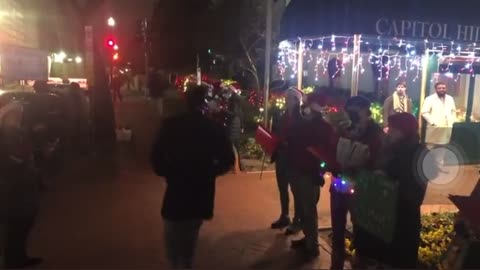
[20, 190]
[190, 151]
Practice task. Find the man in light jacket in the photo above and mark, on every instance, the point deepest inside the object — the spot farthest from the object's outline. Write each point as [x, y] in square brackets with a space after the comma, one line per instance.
[439, 112]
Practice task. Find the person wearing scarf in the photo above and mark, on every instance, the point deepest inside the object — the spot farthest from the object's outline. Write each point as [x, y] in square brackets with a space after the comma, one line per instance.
[398, 102]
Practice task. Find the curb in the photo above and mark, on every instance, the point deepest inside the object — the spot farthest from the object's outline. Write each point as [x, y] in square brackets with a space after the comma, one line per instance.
[437, 208]
[258, 172]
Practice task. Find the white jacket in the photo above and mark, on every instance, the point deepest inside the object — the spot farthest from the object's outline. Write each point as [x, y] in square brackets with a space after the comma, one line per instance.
[440, 116]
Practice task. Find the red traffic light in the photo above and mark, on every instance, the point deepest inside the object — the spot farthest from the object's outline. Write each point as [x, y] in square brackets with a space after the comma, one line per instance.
[111, 43]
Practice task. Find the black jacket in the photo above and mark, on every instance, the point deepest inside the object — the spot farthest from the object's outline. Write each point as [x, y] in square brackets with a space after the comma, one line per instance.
[191, 150]
[235, 117]
[401, 163]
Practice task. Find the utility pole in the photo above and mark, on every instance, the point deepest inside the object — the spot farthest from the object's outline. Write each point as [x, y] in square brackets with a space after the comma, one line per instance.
[268, 53]
[146, 48]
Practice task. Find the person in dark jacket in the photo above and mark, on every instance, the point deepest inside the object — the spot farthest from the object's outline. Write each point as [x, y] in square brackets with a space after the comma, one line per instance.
[20, 189]
[281, 129]
[403, 155]
[398, 102]
[234, 114]
[312, 134]
[364, 131]
[190, 151]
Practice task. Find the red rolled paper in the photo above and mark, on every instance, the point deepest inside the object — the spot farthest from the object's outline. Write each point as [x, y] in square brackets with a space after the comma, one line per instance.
[266, 140]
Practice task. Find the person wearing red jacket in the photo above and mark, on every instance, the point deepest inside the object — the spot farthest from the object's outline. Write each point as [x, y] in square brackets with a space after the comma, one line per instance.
[309, 139]
[280, 157]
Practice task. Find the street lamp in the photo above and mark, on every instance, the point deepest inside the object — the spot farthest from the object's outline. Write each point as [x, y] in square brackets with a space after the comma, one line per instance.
[111, 22]
[78, 59]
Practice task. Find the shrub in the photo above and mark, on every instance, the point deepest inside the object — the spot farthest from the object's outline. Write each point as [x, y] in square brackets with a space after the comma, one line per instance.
[436, 235]
[249, 149]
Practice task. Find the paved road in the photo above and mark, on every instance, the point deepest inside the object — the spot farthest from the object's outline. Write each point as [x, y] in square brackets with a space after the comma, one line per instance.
[105, 213]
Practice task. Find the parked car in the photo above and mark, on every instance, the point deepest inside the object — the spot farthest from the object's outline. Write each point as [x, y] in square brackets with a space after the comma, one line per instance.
[43, 119]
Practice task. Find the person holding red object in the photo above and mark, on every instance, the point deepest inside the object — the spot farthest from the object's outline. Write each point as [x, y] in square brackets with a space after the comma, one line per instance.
[311, 141]
[280, 157]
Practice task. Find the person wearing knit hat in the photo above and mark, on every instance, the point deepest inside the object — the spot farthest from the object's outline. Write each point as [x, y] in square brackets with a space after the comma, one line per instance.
[281, 128]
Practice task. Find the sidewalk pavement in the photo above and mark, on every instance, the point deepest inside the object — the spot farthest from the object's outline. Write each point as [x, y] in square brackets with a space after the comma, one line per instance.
[103, 214]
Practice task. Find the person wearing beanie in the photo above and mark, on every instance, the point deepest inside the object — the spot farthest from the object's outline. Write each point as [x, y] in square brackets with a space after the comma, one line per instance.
[368, 136]
[398, 102]
[281, 127]
[402, 156]
[311, 143]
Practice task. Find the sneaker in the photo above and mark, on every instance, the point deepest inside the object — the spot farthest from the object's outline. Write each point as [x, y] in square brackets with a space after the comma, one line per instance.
[282, 222]
[294, 228]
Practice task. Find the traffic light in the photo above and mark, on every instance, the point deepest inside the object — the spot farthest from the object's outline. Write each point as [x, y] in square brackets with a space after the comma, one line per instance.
[115, 57]
[111, 43]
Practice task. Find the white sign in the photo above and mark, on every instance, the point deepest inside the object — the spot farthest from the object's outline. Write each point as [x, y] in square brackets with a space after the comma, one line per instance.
[19, 63]
[427, 30]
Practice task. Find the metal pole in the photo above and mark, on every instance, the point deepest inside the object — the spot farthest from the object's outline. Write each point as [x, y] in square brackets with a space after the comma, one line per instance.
[146, 47]
[268, 52]
[300, 65]
[424, 86]
[356, 60]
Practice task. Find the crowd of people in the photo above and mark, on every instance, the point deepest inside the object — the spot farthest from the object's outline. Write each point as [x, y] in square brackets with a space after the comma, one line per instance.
[314, 147]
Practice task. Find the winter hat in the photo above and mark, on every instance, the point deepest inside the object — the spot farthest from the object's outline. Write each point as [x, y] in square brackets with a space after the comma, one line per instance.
[316, 101]
[358, 101]
[404, 122]
[295, 92]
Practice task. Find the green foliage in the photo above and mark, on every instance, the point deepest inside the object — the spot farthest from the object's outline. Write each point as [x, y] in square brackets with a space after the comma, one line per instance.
[249, 149]
[436, 235]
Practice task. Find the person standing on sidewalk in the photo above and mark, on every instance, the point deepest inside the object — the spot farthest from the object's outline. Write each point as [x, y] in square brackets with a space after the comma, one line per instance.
[282, 166]
[439, 112]
[398, 102]
[190, 151]
[234, 122]
[368, 136]
[403, 154]
[19, 187]
[308, 137]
